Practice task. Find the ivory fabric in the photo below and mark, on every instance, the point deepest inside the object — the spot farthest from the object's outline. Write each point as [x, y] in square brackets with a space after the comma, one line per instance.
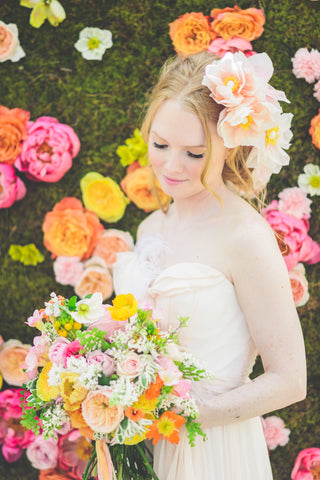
[218, 336]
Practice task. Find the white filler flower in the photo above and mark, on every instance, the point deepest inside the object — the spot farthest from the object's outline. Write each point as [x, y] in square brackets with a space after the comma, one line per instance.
[93, 42]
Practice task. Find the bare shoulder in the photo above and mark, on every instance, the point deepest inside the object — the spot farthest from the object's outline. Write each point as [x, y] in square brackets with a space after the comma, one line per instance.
[151, 224]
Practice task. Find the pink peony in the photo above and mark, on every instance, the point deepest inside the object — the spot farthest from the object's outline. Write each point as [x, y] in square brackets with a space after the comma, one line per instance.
[48, 151]
[299, 285]
[17, 439]
[294, 202]
[219, 46]
[131, 366]
[275, 432]
[317, 90]
[43, 454]
[72, 350]
[57, 350]
[293, 231]
[306, 64]
[306, 463]
[102, 359]
[67, 270]
[11, 187]
[183, 388]
[107, 324]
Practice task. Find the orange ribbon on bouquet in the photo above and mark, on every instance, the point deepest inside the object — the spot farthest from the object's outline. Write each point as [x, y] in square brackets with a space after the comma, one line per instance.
[105, 467]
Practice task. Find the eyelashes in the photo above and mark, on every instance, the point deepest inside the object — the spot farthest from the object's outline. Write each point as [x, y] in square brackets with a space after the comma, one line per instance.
[190, 154]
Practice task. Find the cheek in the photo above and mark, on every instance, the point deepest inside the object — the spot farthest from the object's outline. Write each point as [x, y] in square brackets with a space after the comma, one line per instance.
[156, 158]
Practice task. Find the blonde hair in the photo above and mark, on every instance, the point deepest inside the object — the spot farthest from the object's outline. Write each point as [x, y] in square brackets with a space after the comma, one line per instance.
[181, 80]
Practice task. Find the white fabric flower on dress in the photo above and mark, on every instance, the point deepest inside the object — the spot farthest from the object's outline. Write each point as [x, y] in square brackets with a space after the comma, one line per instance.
[10, 48]
[309, 181]
[93, 42]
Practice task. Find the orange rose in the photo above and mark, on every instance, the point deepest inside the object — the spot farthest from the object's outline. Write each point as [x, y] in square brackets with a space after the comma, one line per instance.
[12, 359]
[95, 278]
[235, 22]
[71, 230]
[112, 242]
[12, 133]
[54, 474]
[315, 130]
[140, 187]
[191, 33]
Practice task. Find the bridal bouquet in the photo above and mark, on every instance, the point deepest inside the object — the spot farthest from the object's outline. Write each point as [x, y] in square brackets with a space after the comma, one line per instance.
[114, 375]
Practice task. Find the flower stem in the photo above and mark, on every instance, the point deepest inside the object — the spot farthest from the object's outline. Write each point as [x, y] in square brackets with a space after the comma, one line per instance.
[146, 462]
[90, 466]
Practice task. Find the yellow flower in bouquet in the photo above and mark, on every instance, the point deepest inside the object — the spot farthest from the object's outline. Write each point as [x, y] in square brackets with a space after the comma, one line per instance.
[124, 306]
[72, 392]
[103, 196]
[45, 391]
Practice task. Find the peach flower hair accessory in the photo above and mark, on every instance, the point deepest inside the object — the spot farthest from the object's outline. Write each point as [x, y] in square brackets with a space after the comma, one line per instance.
[252, 115]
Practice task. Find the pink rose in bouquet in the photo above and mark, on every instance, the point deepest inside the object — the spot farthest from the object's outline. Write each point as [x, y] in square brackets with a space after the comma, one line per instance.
[275, 432]
[101, 358]
[48, 150]
[131, 366]
[57, 350]
[43, 454]
[12, 358]
[74, 452]
[12, 188]
[293, 231]
[299, 285]
[307, 465]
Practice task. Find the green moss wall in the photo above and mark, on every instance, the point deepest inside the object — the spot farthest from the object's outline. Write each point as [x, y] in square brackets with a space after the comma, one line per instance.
[102, 101]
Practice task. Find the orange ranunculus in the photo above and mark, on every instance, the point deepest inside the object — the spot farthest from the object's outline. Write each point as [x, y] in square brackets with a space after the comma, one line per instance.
[12, 359]
[57, 474]
[315, 130]
[154, 389]
[166, 427]
[141, 187]
[191, 33]
[77, 421]
[70, 230]
[12, 133]
[235, 22]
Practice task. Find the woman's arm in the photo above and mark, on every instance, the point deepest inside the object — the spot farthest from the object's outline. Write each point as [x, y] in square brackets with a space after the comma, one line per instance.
[263, 289]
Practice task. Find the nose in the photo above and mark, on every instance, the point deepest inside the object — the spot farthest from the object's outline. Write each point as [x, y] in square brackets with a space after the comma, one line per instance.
[174, 163]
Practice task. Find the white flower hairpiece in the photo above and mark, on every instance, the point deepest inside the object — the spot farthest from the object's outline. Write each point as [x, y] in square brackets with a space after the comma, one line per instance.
[252, 115]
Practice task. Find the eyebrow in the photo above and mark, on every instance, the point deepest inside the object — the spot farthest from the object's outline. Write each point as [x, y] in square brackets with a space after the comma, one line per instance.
[187, 146]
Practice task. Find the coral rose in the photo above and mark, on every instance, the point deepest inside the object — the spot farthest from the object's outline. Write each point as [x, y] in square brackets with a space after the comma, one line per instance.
[11, 187]
[299, 285]
[315, 130]
[143, 189]
[112, 242]
[235, 22]
[99, 414]
[47, 153]
[12, 358]
[10, 48]
[95, 278]
[103, 196]
[191, 33]
[70, 230]
[12, 133]
[307, 465]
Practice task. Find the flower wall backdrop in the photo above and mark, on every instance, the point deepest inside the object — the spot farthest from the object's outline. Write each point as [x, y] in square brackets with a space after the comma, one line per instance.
[71, 102]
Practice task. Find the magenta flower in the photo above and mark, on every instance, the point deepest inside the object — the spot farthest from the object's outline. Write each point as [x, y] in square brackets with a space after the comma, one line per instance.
[11, 187]
[306, 64]
[48, 150]
[307, 464]
[219, 46]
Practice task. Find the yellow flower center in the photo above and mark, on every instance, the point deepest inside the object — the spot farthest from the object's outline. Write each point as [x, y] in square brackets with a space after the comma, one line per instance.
[272, 136]
[315, 470]
[246, 124]
[231, 82]
[93, 43]
[166, 426]
[315, 181]
[83, 308]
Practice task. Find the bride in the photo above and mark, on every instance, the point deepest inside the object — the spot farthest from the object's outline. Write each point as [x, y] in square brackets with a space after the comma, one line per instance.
[212, 257]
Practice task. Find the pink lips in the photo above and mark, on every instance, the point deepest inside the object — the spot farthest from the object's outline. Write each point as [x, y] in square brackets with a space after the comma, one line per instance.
[173, 181]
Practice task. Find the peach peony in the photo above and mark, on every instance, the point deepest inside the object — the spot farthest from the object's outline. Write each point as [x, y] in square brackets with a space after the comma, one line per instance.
[95, 278]
[191, 33]
[112, 242]
[315, 130]
[98, 413]
[12, 358]
[70, 230]
[143, 189]
[12, 133]
[235, 22]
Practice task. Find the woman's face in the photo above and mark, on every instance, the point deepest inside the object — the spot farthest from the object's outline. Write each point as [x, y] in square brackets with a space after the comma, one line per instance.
[177, 147]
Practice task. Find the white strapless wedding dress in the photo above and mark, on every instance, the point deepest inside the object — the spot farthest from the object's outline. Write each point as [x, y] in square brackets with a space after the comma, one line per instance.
[217, 335]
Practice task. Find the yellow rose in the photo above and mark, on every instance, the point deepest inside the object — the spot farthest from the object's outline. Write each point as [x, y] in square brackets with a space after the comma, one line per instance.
[103, 196]
[45, 391]
[72, 392]
[124, 306]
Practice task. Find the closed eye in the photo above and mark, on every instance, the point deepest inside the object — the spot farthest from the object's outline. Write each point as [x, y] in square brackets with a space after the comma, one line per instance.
[159, 145]
[193, 155]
